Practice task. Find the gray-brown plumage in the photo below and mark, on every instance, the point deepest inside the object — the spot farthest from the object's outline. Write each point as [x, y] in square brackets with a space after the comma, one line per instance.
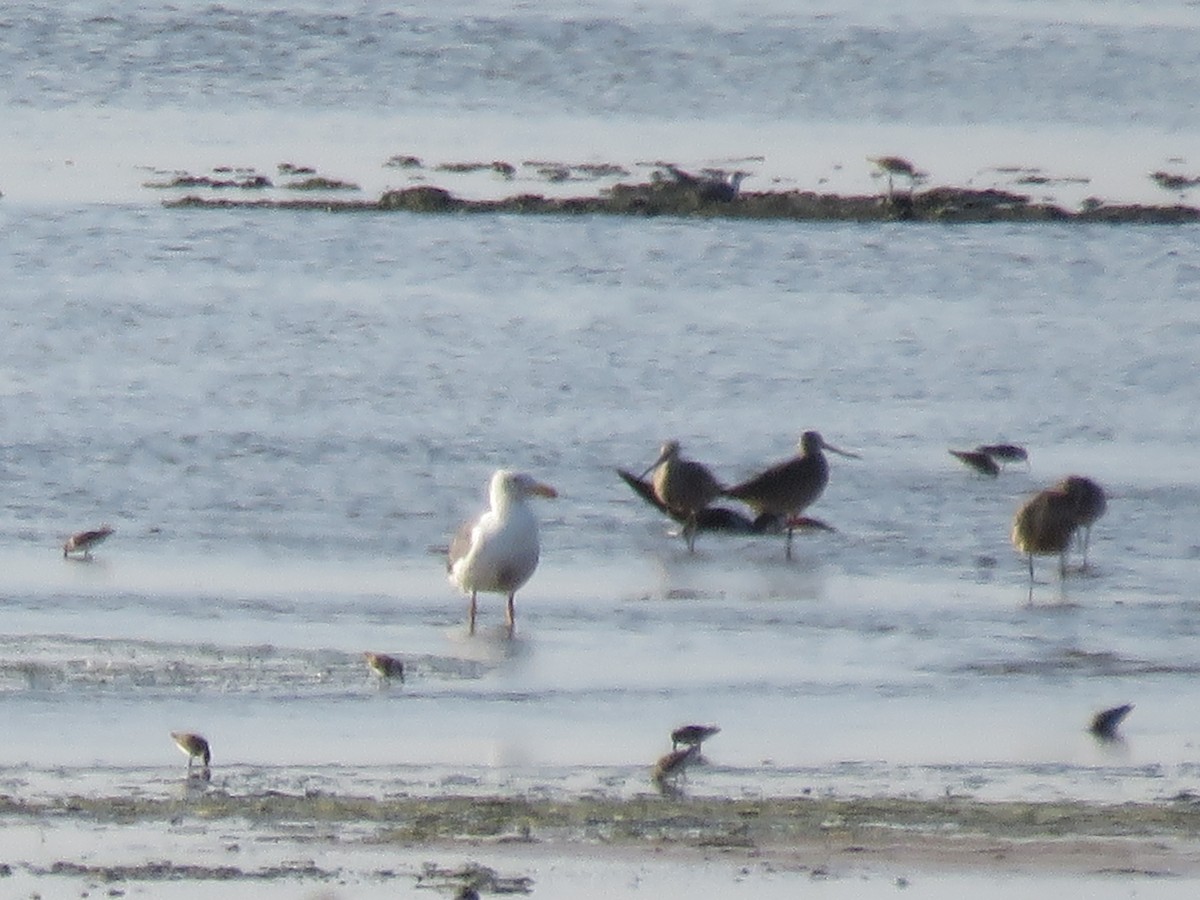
[692, 735]
[978, 460]
[1105, 723]
[723, 518]
[194, 746]
[673, 765]
[892, 166]
[1090, 504]
[1004, 452]
[84, 541]
[385, 666]
[788, 487]
[684, 487]
[1045, 524]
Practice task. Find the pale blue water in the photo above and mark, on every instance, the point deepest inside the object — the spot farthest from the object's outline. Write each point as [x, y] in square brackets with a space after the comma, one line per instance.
[284, 416]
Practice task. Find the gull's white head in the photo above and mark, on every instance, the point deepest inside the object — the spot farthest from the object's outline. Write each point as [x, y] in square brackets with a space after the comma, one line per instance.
[508, 486]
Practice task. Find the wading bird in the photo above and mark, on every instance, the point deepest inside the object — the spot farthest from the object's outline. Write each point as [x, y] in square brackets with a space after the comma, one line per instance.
[1004, 452]
[1090, 504]
[1105, 723]
[1045, 524]
[692, 735]
[498, 552]
[672, 766]
[83, 542]
[722, 518]
[684, 487]
[898, 165]
[385, 666]
[978, 460]
[788, 487]
[193, 746]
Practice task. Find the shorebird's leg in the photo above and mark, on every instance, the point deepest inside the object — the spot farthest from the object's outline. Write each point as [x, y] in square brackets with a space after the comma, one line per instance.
[788, 553]
[511, 616]
[689, 533]
[471, 615]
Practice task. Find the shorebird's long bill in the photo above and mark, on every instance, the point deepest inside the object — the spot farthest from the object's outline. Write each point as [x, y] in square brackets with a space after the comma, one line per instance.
[832, 449]
[654, 465]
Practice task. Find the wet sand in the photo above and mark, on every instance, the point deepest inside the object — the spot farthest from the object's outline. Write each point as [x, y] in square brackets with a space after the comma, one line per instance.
[202, 839]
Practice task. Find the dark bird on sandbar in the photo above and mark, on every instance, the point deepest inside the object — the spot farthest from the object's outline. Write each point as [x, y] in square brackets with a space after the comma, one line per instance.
[385, 666]
[1090, 504]
[722, 518]
[692, 735]
[1105, 723]
[193, 746]
[897, 165]
[684, 487]
[787, 488]
[978, 460]
[714, 186]
[1046, 523]
[498, 551]
[83, 542]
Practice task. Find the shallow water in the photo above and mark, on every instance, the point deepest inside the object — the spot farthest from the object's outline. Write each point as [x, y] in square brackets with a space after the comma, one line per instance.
[284, 415]
[282, 446]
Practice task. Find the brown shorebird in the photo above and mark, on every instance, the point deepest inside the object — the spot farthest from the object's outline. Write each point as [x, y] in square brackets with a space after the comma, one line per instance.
[674, 765]
[1045, 524]
[82, 542]
[978, 460]
[788, 487]
[385, 666]
[898, 165]
[692, 735]
[1090, 504]
[1105, 723]
[498, 552]
[684, 487]
[722, 518]
[194, 746]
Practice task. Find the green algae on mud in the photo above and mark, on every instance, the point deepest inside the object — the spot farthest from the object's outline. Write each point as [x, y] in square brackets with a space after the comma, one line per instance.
[666, 198]
[694, 821]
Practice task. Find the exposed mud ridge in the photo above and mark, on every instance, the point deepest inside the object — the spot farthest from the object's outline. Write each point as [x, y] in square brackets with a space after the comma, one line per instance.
[706, 822]
[165, 870]
[669, 198]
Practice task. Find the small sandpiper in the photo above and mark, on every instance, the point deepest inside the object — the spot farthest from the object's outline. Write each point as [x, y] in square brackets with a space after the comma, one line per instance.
[386, 667]
[674, 765]
[979, 460]
[1005, 452]
[1104, 724]
[692, 735]
[82, 542]
[193, 746]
